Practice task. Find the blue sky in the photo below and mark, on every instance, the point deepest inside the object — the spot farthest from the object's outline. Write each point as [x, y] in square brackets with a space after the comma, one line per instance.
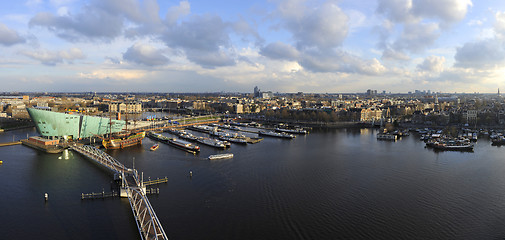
[232, 46]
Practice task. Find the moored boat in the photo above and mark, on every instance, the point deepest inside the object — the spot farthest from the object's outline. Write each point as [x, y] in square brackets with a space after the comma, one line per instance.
[276, 134]
[184, 145]
[294, 131]
[124, 141]
[385, 136]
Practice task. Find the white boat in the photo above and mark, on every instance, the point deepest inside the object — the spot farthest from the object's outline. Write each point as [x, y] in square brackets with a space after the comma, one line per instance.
[221, 156]
[384, 136]
[276, 134]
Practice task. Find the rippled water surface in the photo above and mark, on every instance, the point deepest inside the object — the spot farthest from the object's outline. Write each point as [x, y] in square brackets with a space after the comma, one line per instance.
[334, 184]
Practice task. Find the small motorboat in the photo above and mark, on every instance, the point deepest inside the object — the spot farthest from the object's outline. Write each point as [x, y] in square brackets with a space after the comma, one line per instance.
[154, 147]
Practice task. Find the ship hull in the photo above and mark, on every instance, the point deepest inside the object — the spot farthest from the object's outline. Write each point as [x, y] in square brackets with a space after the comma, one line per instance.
[132, 140]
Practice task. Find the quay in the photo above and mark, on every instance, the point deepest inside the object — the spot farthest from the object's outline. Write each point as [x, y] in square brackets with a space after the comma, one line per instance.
[9, 143]
[132, 187]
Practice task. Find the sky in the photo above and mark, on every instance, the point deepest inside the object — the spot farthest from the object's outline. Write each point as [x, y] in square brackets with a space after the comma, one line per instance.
[338, 46]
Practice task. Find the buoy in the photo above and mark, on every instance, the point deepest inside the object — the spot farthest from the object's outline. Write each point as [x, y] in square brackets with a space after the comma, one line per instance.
[190, 173]
[1, 162]
[46, 196]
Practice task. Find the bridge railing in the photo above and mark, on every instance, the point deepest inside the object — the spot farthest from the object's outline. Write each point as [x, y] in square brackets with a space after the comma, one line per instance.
[147, 222]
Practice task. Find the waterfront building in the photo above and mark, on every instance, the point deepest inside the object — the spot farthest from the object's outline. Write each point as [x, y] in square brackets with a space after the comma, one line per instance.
[57, 125]
[128, 107]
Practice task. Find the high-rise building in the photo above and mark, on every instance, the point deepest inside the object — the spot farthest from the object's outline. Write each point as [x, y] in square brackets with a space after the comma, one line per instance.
[256, 92]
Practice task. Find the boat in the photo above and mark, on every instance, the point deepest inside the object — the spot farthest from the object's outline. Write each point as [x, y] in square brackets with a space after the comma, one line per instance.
[211, 142]
[450, 144]
[453, 147]
[276, 134]
[184, 145]
[294, 131]
[498, 141]
[220, 156]
[202, 128]
[385, 136]
[123, 141]
[154, 147]
[157, 136]
[229, 137]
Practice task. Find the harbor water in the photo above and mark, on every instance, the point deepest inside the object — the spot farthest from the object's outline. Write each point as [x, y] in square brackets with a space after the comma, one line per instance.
[331, 184]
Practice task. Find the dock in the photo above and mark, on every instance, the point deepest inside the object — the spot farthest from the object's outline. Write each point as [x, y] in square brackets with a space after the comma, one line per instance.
[132, 187]
[10, 143]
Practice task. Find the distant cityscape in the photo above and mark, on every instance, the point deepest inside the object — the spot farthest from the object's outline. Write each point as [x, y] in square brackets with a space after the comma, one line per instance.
[418, 107]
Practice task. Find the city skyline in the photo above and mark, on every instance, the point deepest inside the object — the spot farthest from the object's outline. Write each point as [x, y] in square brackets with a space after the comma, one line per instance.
[232, 46]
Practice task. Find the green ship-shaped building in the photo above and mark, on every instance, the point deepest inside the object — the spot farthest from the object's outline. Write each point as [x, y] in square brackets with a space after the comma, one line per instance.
[72, 126]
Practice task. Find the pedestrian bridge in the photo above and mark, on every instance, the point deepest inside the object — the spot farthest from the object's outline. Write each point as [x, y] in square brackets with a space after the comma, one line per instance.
[132, 187]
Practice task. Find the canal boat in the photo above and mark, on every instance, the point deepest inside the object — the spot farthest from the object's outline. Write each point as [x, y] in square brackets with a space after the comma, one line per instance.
[184, 145]
[293, 131]
[276, 134]
[212, 142]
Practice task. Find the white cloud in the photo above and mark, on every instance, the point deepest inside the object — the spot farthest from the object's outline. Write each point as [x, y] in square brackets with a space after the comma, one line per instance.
[324, 27]
[54, 57]
[433, 64]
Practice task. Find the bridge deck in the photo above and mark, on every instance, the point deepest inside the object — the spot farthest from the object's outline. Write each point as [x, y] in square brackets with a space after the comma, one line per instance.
[147, 222]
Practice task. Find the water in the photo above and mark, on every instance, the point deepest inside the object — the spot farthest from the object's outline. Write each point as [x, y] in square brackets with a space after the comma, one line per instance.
[337, 184]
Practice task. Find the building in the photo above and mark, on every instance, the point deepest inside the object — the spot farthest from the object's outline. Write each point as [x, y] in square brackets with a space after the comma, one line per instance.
[57, 125]
[259, 94]
[370, 115]
[129, 107]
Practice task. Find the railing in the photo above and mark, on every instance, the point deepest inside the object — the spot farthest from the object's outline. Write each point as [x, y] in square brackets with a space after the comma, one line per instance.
[101, 157]
[156, 181]
[147, 222]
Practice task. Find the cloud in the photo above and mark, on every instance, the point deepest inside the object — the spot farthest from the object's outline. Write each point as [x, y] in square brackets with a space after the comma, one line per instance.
[52, 58]
[92, 23]
[480, 54]
[417, 37]
[145, 54]
[339, 62]
[499, 25]
[203, 39]
[432, 64]
[114, 74]
[280, 50]
[408, 11]
[396, 10]
[175, 12]
[9, 37]
[102, 20]
[422, 22]
[390, 54]
[448, 11]
[324, 27]
[487, 53]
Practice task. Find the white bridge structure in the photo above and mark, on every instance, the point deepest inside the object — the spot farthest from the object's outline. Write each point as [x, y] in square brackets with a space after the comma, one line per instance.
[132, 187]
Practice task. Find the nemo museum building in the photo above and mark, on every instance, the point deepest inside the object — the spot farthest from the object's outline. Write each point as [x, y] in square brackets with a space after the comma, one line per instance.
[56, 125]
